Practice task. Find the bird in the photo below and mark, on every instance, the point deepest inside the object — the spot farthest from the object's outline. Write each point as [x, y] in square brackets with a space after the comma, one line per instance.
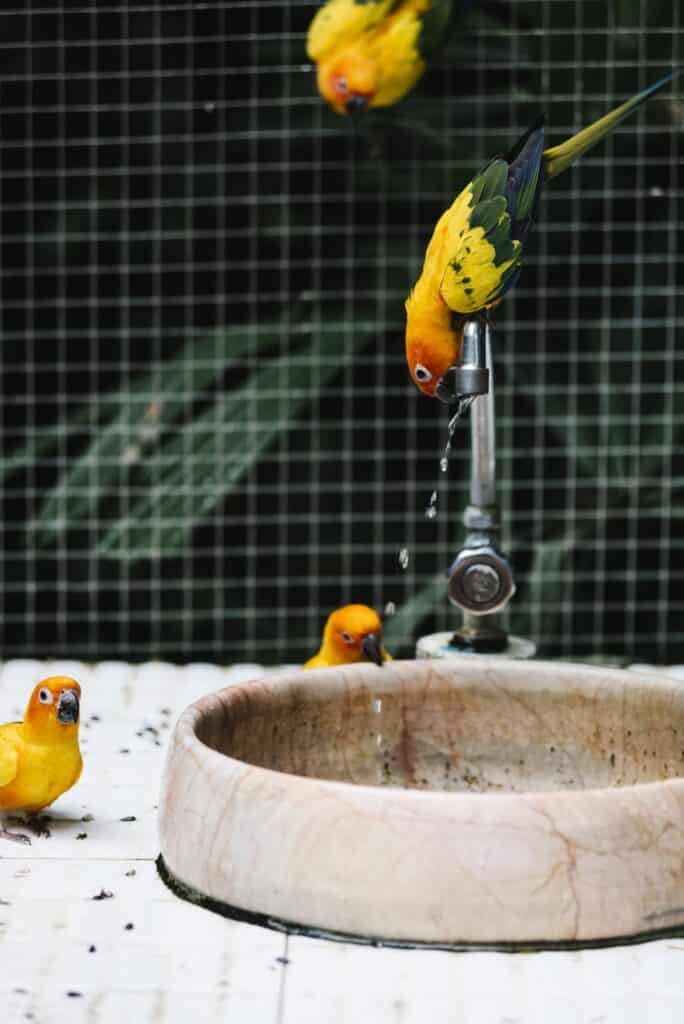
[351, 634]
[476, 251]
[371, 53]
[40, 757]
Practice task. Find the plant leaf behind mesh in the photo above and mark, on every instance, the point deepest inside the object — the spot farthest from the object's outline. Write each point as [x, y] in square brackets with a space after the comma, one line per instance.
[203, 462]
[409, 615]
[140, 413]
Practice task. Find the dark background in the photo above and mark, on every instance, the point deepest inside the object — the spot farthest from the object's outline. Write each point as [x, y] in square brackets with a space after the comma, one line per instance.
[209, 438]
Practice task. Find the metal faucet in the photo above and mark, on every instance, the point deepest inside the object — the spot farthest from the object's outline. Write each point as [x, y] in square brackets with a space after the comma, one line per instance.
[480, 578]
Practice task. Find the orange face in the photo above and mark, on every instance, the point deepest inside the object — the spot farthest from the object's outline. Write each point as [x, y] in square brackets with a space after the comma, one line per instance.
[430, 358]
[55, 702]
[355, 633]
[347, 82]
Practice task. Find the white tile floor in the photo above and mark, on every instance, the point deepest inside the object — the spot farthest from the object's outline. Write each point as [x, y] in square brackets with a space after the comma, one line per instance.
[179, 963]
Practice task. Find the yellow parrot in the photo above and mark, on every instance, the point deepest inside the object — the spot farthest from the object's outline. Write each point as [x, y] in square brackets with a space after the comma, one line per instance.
[40, 757]
[351, 634]
[475, 254]
[370, 53]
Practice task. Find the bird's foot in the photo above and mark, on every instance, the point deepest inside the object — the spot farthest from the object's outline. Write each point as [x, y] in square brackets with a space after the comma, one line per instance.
[15, 837]
[37, 824]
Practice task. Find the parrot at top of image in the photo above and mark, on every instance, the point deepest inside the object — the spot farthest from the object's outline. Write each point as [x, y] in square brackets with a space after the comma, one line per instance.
[352, 634]
[40, 756]
[371, 53]
[476, 251]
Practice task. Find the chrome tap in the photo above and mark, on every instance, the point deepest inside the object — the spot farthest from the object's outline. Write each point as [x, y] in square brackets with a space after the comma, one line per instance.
[480, 578]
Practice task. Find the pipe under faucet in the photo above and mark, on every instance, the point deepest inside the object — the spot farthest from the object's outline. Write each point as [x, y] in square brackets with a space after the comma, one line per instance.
[480, 578]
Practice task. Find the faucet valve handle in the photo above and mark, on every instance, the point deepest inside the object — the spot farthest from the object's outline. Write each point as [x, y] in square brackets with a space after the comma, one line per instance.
[480, 580]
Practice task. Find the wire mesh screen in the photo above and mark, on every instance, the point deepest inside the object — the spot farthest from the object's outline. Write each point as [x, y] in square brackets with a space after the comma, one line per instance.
[210, 438]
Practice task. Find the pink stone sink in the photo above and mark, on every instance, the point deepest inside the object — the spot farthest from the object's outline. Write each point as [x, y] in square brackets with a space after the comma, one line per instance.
[470, 801]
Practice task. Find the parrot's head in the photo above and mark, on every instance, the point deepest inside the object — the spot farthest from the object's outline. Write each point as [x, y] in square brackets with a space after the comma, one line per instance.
[354, 633]
[54, 704]
[348, 81]
[433, 347]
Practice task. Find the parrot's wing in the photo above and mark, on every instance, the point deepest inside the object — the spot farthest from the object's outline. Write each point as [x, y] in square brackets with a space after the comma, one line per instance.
[433, 26]
[482, 258]
[340, 22]
[9, 762]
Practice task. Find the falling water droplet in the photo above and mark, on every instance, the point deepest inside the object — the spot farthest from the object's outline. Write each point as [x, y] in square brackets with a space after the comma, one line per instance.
[404, 558]
[444, 462]
[390, 609]
[431, 510]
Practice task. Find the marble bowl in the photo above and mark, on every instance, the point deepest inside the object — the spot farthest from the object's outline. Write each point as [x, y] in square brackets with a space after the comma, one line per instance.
[469, 801]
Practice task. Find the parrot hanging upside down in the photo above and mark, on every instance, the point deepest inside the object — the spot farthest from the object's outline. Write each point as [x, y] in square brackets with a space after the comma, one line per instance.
[40, 757]
[351, 634]
[370, 53]
[475, 254]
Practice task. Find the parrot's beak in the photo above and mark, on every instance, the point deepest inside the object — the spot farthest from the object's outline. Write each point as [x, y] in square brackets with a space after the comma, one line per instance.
[372, 648]
[356, 104]
[445, 390]
[68, 707]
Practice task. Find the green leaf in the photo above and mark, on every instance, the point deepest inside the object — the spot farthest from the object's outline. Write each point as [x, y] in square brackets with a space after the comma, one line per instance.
[202, 463]
[400, 628]
[139, 415]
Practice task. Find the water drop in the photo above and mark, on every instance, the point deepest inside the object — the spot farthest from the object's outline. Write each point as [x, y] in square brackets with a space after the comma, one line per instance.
[404, 558]
[431, 510]
[444, 463]
[390, 609]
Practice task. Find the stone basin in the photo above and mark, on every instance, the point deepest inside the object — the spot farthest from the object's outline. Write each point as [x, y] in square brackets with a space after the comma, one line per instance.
[469, 801]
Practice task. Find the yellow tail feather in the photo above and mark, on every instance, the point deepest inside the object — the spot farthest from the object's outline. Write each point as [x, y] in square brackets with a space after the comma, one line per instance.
[557, 158]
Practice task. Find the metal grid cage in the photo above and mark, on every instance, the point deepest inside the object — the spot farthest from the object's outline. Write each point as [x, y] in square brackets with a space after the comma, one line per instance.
[209, 438]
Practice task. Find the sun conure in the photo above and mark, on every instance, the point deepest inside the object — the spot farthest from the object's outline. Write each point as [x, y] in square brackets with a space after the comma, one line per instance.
[370, 53]
[475, 254]
[351, 634]
[40, 757]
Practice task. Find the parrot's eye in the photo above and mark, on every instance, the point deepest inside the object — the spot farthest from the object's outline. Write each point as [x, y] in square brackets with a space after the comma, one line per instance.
[421, 374]
[342, 85]
[347, 637]
[44, 696]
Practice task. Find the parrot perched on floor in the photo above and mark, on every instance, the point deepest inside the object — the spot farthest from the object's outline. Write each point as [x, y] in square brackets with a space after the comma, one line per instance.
[475, 254]
[351, 634]
[370, 53]
[40, 757]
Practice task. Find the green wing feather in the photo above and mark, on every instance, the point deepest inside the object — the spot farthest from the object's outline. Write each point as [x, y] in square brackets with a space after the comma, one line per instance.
[433, 27]
[486, 259]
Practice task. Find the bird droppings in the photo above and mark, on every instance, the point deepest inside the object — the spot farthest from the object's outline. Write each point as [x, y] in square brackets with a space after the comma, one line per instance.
[104, 894]
[284, 960]
[94, 718]
[129, 927]
[88, 817]
[82, 835]
[92, 949]
[131, 873]
[124, 750]
[72, 994]
[129, 817]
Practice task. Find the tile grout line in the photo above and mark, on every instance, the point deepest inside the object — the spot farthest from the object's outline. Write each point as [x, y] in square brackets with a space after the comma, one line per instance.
[280, 1008]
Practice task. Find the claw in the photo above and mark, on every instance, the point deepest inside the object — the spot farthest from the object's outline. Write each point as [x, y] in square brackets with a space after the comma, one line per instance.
[15, 837]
